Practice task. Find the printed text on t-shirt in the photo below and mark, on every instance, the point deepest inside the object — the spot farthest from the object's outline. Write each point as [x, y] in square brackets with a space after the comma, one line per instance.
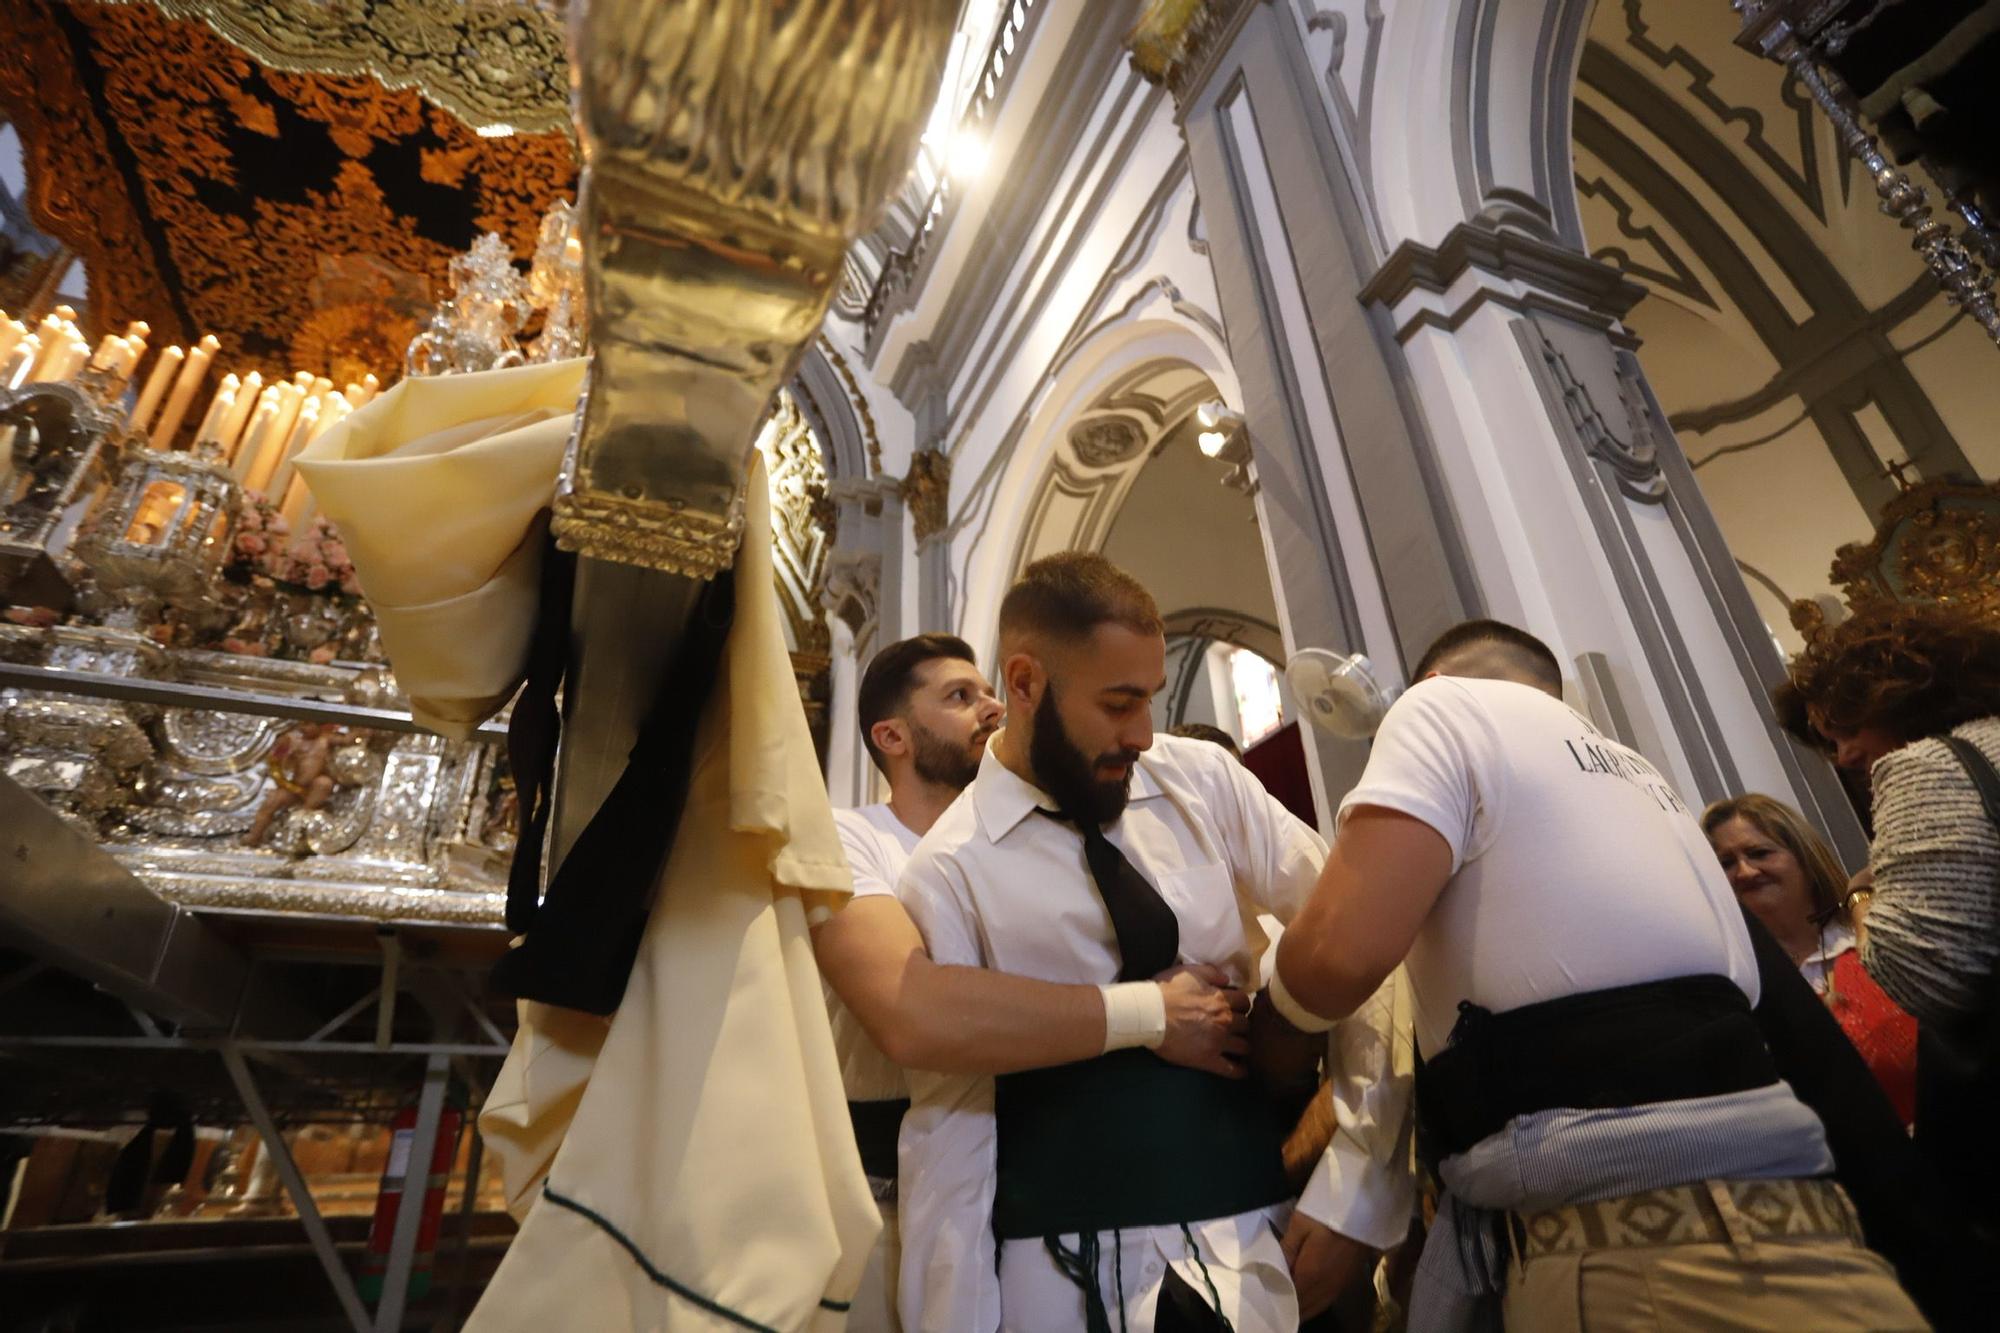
[1594, 758]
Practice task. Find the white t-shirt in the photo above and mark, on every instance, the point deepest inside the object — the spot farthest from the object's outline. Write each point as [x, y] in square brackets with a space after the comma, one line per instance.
[878, 847]
[1575, 865]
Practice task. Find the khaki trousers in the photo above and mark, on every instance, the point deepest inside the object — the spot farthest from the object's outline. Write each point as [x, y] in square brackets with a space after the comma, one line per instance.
[1788, 1284]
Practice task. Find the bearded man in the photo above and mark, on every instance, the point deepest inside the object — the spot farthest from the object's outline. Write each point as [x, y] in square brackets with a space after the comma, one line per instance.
[926, 713]
[1085, 851]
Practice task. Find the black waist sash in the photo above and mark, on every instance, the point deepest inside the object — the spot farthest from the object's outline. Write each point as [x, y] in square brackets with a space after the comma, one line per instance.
[877, 1125]
[1659, 1041]
[1128, 1140]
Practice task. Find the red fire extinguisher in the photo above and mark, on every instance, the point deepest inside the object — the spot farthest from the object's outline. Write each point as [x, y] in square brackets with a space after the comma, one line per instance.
[389, 1202]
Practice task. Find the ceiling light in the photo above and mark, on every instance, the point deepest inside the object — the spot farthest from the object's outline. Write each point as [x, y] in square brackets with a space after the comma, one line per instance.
[1211, 442]
[967, 157]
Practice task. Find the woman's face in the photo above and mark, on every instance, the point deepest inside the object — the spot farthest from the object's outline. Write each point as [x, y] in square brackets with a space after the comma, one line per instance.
[1858, 749]
[1767, 878]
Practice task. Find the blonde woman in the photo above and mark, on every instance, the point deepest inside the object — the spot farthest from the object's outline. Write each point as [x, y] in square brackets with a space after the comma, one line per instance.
[1784, 873]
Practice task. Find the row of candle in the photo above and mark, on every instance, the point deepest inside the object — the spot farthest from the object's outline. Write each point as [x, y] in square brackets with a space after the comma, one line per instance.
[55, 349]
[258, 430]
[254, 428]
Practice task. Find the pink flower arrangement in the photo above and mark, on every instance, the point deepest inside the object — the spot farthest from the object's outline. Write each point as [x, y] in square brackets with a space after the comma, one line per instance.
[316, 560]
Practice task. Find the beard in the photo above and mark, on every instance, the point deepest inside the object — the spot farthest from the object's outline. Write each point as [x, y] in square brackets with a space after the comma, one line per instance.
[943, 763]
[1069, 775]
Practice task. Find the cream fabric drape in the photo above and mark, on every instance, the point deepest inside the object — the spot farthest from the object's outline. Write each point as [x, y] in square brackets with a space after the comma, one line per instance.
[435, 487]
[691, 1165]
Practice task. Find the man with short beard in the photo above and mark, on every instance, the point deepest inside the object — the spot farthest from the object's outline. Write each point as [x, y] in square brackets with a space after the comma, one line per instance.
[926, 713]
[1087, 851]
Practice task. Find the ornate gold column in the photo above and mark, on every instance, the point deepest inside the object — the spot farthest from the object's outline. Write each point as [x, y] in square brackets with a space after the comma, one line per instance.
[732, 152]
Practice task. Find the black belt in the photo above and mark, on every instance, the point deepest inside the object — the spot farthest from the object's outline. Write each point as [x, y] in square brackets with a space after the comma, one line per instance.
[1659, 1041]
[1128, 1140]
[876, 1127]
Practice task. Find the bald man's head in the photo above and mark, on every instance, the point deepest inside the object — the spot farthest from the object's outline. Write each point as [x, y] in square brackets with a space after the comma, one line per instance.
[1492, 650]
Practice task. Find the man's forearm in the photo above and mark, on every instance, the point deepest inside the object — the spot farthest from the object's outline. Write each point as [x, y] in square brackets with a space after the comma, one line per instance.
[949, 1020]
[970, 1020]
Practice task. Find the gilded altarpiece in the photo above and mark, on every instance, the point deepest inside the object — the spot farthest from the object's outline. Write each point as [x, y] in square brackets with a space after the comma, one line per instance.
[303, 214]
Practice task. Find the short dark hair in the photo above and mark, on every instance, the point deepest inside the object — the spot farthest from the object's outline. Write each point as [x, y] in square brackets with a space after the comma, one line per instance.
[1066, 596]
[1523, 648]
[1203, 731]
[1916, 670]
[892, 674]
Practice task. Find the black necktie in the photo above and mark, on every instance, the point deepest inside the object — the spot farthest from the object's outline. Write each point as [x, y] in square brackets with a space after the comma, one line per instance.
[1149, 935]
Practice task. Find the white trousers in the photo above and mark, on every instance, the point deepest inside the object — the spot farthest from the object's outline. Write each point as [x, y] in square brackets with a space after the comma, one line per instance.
[1239, 1259]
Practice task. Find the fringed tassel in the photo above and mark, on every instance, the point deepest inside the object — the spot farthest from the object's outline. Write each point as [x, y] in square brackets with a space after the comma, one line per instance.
[1080, 1266]
[1214, 1296]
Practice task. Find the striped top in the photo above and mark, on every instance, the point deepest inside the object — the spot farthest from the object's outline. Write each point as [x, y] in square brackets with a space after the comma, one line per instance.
[1933, 928]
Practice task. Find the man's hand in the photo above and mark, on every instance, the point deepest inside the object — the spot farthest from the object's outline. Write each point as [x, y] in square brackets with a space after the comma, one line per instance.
[1208, 1021]
[1324, 1263]
[1284, 1058]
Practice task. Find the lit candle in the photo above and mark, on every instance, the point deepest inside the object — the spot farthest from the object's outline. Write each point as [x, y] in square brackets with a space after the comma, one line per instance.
[54, 345]
[332, 407]
[261, 468]
[65, 313]
[11, 333]
[59, 359]
[156, 386]
[218, 408]
[302, 431]
[19, 361]
[178, 402]
[139, 329]
[107, 348]
[255, 432]
[298, 506]
[370, 386]
[135, 348]
[230, 431]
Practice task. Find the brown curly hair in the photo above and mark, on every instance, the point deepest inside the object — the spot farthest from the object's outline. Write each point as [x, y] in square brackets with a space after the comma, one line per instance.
[1913, 670]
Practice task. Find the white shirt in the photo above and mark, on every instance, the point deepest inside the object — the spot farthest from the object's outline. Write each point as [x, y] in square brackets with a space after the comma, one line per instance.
[878, 847]
[1575, 865]
[993, 884]
[1836, 939]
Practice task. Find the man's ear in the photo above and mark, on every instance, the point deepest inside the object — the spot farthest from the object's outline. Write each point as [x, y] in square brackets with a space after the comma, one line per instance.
[891, 736]
[1022, 680]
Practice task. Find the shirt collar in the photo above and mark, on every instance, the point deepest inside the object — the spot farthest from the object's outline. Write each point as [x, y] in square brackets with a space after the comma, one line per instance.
[1835, 940]
[1003, 798]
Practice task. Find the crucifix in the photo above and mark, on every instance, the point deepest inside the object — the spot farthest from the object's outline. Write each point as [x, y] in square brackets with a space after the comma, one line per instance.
[1894, 472]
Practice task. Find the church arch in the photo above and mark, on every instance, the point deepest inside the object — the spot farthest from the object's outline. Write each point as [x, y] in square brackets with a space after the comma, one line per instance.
[1042, 472]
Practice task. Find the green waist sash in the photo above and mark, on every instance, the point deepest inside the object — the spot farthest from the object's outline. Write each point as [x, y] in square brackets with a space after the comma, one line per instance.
[1128, 1140]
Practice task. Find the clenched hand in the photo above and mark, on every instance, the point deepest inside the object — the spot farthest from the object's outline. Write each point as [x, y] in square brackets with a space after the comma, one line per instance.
[1208, 1020]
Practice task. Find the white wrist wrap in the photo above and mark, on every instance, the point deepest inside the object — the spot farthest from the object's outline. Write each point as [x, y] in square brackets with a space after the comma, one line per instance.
[1300, 1017]
[1135, 1014]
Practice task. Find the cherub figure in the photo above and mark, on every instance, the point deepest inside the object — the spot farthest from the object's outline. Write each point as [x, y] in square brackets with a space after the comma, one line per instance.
[299, 762]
